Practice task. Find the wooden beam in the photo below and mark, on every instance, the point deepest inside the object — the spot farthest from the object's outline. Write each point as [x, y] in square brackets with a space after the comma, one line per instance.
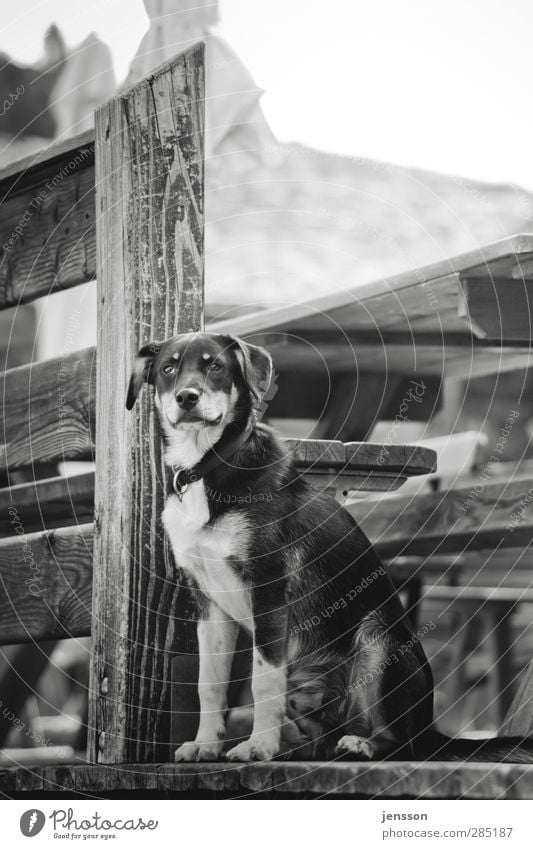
[496, 514]
[29, 170]
[48, 503]
[499, 309]
[48, 411]
[408, 460]
[45, 584]
[317, 453]
[150, 184]
[47, 222]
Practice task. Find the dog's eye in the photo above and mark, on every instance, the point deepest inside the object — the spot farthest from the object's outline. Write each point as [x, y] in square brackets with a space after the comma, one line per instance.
[215, 366]
[168, 369]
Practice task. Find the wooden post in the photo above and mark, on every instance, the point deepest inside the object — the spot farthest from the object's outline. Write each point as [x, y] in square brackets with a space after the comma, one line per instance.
[150, 190]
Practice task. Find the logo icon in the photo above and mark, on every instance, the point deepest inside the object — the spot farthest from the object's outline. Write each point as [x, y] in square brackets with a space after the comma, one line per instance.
[32, 822]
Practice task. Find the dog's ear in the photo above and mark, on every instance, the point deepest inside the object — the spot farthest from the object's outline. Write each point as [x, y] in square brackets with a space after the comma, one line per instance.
[256, 366]
[141, 372]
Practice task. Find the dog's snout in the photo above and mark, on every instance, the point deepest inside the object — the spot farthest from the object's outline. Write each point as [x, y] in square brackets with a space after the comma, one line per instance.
[187, 398]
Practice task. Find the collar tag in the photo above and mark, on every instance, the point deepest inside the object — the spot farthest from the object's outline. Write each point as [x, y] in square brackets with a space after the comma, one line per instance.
[179, 488]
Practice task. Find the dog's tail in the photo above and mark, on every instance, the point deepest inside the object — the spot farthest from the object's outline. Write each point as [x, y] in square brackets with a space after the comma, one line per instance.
[435, 746]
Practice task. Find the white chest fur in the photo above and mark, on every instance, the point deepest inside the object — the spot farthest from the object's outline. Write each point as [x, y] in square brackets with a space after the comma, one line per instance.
[203, 550]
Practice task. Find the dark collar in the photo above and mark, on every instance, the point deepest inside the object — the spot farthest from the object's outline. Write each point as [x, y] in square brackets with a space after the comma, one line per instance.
[179, 479]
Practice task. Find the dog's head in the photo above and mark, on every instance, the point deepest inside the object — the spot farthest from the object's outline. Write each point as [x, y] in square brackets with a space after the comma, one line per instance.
[201, 379]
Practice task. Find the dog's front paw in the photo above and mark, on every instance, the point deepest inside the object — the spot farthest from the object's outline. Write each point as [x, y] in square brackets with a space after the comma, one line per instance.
[257, 748]
[195, 751]
[356, 747]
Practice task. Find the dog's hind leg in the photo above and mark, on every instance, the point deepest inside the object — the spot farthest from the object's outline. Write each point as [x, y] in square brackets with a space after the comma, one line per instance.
[385, 686]
[217, 636]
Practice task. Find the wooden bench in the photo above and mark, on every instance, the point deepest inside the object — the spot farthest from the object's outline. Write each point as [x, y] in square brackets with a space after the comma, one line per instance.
[458, 521]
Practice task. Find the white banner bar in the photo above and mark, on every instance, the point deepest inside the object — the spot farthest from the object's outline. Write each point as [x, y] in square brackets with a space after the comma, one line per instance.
[266, 824]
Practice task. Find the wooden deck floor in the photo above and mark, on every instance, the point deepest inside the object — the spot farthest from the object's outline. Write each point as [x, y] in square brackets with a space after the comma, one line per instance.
[438, 780]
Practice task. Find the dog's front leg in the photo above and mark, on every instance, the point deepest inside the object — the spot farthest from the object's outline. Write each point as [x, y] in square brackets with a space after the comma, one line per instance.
[269, 674]
[217, 635]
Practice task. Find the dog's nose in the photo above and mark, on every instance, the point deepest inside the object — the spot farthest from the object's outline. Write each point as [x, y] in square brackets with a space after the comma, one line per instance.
[187, 398]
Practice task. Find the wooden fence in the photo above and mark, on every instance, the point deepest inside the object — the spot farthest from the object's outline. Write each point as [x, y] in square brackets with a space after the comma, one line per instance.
[143, 174]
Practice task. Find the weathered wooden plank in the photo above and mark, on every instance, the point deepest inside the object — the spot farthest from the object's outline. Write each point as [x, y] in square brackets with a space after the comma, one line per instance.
[482, 595]
[149, 167]
[45, 585]
[17, 175]
[48, 411]
[311, 453]
[408, 459]
[48, 503]
[484, 515]
[47, 223]
[401, 779]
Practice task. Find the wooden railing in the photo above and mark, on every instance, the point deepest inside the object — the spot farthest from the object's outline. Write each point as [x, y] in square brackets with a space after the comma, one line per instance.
[140, 179]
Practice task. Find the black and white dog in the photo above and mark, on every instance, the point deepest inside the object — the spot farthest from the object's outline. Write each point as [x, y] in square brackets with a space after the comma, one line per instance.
[268, 552]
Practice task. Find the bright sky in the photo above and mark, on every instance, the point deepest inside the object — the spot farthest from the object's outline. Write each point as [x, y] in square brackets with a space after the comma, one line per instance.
[442, 84]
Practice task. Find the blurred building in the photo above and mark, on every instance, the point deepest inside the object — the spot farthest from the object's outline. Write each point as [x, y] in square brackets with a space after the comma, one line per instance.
[284, 222]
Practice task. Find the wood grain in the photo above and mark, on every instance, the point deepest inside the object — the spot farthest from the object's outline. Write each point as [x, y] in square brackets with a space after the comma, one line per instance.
[47, 224]
[316, 453]
[16, 176]
[49, 503]
[408, 460]
[149, 183]
[500, 514]
[48, 411]
[45, 585]
[392, 780]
